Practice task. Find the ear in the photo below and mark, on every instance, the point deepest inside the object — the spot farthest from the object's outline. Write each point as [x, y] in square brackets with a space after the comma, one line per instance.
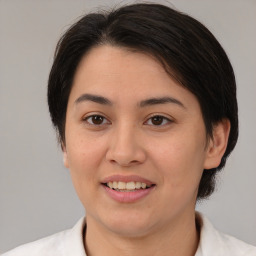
[217, 144]
[65, 155]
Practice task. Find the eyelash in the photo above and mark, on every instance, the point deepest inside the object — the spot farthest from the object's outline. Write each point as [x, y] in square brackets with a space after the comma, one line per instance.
[93, 116]
[163, 119]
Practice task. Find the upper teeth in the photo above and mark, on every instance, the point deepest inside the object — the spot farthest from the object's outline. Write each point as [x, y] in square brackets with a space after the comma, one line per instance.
[126, 185]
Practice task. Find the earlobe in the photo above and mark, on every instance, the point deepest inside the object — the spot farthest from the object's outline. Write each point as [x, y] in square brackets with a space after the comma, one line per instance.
[65, 156]
[217, 144]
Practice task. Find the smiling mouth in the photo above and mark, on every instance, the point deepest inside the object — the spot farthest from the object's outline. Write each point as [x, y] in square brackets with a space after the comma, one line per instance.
[130, 186]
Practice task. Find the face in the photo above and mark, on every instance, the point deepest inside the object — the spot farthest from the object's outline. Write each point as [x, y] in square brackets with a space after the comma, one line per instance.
[130, 126]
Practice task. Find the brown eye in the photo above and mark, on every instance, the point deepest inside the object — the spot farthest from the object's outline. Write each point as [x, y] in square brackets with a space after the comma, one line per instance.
[96, 120]
[158, 120]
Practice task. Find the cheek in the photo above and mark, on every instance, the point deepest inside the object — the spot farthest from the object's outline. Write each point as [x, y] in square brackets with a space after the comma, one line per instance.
[180, 162]
[83, 150]
[84, 155]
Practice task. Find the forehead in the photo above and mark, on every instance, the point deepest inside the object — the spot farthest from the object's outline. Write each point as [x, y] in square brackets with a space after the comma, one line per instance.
[116, 62]
[119, 73]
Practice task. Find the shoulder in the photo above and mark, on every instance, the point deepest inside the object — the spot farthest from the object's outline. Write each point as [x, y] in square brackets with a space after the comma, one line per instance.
[213, 242]
[46, 246]
[63, 243]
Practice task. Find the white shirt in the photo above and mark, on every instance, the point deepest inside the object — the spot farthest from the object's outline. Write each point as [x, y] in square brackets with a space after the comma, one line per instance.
[70, 243]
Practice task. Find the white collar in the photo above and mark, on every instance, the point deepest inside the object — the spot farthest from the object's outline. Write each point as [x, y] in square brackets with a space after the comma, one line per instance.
[212, 242]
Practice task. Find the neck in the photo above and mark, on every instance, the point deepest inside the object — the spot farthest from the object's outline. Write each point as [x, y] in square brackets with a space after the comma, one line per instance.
[180, 239]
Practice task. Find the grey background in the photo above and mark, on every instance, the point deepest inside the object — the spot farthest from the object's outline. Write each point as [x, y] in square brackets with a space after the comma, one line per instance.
[36, 195]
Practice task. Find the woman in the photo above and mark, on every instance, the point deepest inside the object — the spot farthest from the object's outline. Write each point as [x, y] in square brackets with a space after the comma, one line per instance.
[143, 99]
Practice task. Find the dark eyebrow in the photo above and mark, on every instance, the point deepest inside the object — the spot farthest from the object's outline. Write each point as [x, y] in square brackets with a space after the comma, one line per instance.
[162, 100]
[148, 102]
[94, 98]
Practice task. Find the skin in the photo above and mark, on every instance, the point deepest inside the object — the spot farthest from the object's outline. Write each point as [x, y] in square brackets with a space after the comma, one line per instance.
[127, 141]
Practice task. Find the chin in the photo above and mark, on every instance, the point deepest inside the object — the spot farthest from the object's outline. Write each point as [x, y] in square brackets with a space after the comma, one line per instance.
[129, 230]
[129, 225]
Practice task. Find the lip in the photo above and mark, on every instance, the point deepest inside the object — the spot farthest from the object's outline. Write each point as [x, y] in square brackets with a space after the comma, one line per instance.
[127, 178]
[128, 197]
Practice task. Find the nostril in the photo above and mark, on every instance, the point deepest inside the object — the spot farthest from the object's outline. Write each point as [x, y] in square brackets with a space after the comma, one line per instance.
[123, 162]
[126, 154]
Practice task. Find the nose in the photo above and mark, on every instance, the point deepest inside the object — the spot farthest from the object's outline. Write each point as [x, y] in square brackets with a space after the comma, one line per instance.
[125, 148]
